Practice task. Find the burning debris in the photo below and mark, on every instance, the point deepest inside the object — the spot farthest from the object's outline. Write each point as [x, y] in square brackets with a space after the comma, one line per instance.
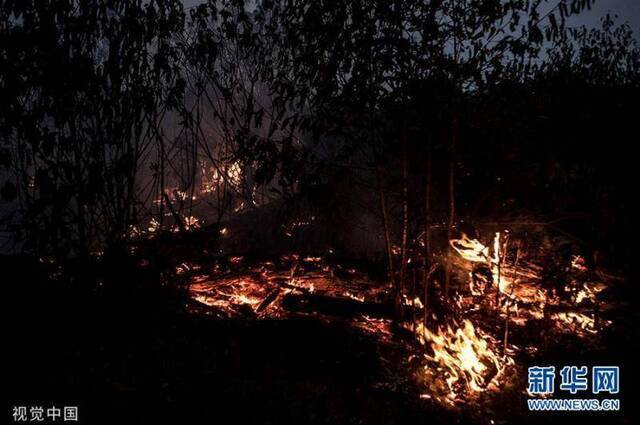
[465, 356]
[230, 297]
[505, 297]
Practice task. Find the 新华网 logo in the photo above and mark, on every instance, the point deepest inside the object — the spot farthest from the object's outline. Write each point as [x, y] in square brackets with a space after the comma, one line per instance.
[573, 380]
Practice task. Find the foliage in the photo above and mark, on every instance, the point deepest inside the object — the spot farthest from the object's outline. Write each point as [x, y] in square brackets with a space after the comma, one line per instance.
[108, 105]
[86, 85]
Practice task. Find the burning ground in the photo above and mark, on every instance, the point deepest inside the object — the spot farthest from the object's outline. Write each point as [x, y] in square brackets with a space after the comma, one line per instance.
[460, 355]
[314, 338]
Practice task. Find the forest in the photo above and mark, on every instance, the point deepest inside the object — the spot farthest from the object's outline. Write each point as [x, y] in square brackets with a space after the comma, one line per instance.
[290, 211]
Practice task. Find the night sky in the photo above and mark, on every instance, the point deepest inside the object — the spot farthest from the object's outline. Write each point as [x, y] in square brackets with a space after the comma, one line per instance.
[626, 10]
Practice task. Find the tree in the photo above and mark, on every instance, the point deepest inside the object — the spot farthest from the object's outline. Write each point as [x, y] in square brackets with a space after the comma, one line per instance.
[86, 85]
[358, 72]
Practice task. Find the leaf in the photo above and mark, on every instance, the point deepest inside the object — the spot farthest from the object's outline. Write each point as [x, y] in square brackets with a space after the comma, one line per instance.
[553, 22]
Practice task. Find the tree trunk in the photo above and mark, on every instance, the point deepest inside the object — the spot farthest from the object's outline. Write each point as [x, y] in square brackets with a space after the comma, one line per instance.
[405, 225]
[427, 240]
[452, 199]
[385, 228]
[507, 316]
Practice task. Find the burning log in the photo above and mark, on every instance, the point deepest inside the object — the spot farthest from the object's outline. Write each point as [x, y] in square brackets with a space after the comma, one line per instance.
[273, 295]
[341, 306]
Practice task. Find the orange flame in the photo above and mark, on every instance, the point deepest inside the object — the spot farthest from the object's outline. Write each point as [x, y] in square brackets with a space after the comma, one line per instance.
[464, 355]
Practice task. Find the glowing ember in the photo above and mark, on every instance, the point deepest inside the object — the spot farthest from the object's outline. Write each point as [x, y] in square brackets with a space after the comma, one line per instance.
[415, 302]
[229, 295]
[154, 225]
[578, 323]
[578, 263]
[359, 298]
[192, 222]
[380, 328]
[458, 361]
[214, 178]
[588, 292]
[312, 259]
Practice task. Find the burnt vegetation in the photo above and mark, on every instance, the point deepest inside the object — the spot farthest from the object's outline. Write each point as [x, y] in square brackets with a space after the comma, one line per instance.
[334, 212]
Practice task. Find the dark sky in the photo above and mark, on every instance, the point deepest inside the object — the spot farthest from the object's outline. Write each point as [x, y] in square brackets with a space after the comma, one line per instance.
[627, 11]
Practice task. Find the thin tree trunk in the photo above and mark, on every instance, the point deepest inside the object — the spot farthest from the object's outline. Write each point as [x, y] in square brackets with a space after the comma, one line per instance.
[174, 213]
[405, 225]
[385, 228]
[452, 199]
[413, 301]
[500, 257]
[163, 197]
[513, 284]
[427, 240]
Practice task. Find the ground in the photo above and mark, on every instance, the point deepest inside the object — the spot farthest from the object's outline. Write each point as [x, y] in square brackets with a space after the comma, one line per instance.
[137, 356]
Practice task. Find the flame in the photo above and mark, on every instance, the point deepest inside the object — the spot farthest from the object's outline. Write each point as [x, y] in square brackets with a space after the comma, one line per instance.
[375, 326]
[185, 267]
[581, 295]
[458, 361]
[312, 259]
[192, 222]
[463, 354]
[496, 263]
[229, 294]
[213, 179]
[470, 249]
[154, 225]
[415, 302]
[575, 321]
[359, 298]
[418, 303]
[476, 252]
[578, 263]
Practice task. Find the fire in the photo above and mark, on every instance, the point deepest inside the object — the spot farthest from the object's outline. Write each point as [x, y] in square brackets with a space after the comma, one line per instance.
[192, 222]
[496, 263]
[578, 263]
[476, 252]
[456, 362]
[312, 259]
[213, 178]
[464, 355]
[415, 302]
[228, 295]
[154, 225]
[588, 292]
[376, 327]
[576, 322]
[470, 249]
[359, 298]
